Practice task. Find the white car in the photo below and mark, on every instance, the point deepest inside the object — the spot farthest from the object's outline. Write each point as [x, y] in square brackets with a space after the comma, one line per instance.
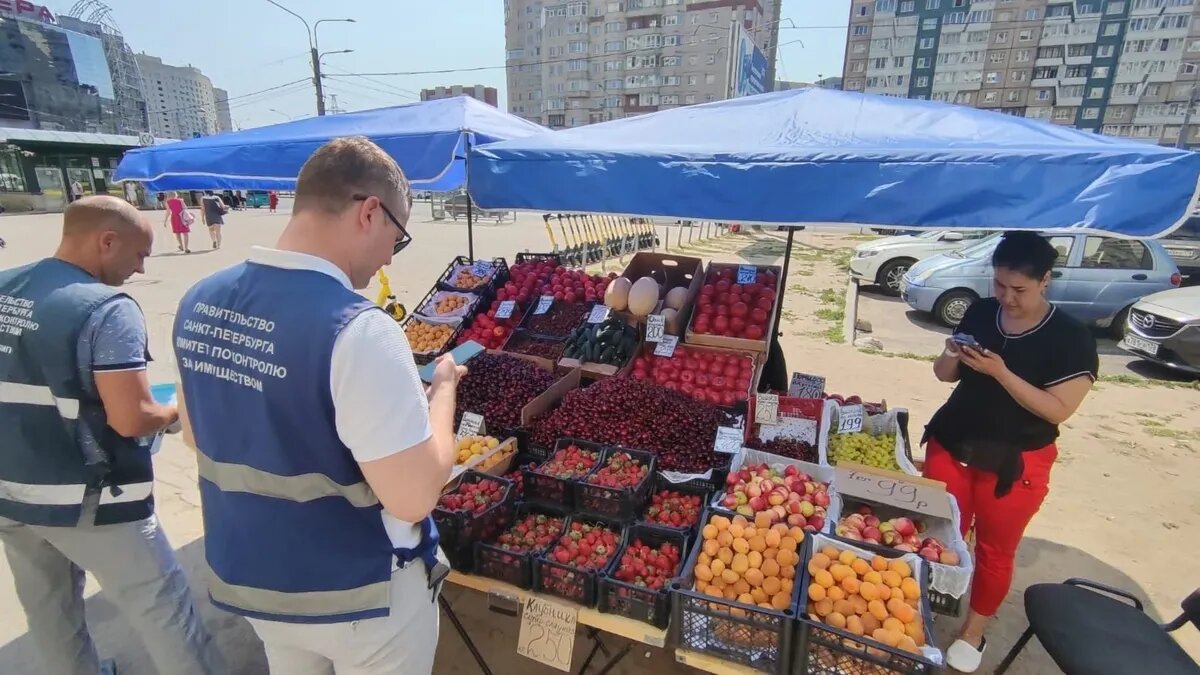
[884, 261]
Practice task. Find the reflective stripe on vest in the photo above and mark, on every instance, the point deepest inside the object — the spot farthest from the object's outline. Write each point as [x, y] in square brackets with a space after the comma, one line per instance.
[29, 394]
[302, 488]
[42, 495]
[372, 600]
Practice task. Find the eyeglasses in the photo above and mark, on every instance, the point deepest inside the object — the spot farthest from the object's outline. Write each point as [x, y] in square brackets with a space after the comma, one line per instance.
[405, 238]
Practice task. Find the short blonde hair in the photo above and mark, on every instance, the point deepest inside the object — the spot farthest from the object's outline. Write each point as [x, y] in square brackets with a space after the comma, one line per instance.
[344, 167]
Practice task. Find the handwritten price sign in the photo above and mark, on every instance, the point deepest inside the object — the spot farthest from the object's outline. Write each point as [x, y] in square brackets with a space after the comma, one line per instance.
[599, 314]
[912, 493]
[806, 386]
[729, 440]
[470, 425]
[766, 409]
[547, 633]
[656, 327]
[747, 274]
[481, 268]
[505, 310]
[666, 347]
[850, 418]
[543, 305]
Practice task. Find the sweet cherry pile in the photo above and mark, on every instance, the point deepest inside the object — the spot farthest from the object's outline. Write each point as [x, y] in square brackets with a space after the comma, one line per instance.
[474, 497]
[585, 547]
[718, 378]
[622, 471]
[527, 281]
[674, 509]
[570, 462]
[534, 532]
[728, 308]
[646, 566]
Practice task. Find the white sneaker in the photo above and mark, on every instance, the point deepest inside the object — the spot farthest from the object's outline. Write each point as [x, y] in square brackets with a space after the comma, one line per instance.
[963, 657]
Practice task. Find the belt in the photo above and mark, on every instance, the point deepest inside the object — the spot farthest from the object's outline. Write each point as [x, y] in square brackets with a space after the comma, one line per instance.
[436, 571]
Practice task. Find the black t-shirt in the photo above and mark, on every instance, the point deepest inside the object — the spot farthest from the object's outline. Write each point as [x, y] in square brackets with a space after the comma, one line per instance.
[980, 417]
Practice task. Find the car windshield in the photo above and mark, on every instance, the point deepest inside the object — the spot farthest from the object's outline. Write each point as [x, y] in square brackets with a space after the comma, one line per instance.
[982, 246]
[1189, 231]
[931, 234]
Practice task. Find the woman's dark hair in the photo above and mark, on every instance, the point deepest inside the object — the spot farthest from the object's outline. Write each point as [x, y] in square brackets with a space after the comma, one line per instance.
[1026, 252]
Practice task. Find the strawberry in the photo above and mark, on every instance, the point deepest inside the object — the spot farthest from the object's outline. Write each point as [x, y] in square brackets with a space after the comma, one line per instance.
[474, 497]
[674, 509]
[648, 567]
[570, 462]
[623, 471]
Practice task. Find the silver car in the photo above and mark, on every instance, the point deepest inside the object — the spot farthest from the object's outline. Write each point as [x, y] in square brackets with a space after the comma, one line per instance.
[1165, 328]
[1096, 279]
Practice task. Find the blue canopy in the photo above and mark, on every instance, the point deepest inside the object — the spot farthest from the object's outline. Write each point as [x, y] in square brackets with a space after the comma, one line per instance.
[818, 155]
[428, 141]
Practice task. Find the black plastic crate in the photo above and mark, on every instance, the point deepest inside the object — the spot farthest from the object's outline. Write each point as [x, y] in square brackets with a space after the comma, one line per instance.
[755, 636]
[514, 568]
[826, 650]
[474, 306]
[621, 504]
[558, 491]
[519, 338]
[692, 488]
[498, 278]
[584, 307]
[423, 358]
[459, 530]
[538, 257]
[568, 582]
[640, 603]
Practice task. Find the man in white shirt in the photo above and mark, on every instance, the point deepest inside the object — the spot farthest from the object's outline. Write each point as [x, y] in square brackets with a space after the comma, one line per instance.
[321, 454]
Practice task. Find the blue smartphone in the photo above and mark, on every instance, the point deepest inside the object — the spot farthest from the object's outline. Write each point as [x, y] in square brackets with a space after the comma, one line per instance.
[967, 341]
[462, 353]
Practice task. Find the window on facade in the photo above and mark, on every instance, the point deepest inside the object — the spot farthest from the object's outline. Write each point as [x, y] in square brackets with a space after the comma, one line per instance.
[923, 62]
[929, 24]
[993, 77]
[908, 6]
[1013, 97]
[710, 78]
[990, 97]
[932, 4]
[1114, 7]
[926, 43]
[1064, 114]
[860, 30]
[1111, 29]
[863, 11]
[1031, 15]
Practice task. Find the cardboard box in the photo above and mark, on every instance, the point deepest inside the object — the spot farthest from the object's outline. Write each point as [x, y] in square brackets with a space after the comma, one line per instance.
[549, 398]
[670, 271]
[600, 371]
[692, 338]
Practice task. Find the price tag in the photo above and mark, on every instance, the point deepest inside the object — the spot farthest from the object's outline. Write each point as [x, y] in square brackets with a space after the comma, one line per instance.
[729, 440]
[747, 274]
[766, 409]
[599, 314]
[656, 327]
[481, 268]
[505, 310]
[666, 347]
[911, 493]
[543, 305]
[548, 632]
[471, 425]
[805, 385]
[850, 418]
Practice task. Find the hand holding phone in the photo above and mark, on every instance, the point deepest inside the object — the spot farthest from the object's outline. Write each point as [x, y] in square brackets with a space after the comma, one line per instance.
[965, 340]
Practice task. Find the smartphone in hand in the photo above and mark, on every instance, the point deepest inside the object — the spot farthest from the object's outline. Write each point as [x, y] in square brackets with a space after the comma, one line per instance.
[966, 340]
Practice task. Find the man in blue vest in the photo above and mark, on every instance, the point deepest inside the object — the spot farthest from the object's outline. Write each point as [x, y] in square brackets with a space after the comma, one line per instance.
[75, 481]
[321, 454]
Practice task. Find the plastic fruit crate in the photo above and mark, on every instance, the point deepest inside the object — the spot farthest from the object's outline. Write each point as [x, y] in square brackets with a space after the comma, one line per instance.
[486, 290]
[459, 530]
[734, 631]
[690, 489]
[568, 582]
[621, 504]
[827, 650]
[652, 606]
[558, 491]
[512, 567]
[538, 257]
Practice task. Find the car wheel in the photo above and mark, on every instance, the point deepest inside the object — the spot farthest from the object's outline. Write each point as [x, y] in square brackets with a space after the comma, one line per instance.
[891, 275]
[1119, 324]
[952, 306]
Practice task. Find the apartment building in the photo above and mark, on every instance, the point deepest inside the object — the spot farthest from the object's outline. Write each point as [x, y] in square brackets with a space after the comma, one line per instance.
[575, 63]
[1119, 67]
[488, 95]
[180, 100]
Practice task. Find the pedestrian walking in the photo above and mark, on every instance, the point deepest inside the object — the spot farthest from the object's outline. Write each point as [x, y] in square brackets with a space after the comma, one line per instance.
[76, 190]
[272, 200]
[213, 211]
[75, 473]
[321, 454]
[160, 201]
[180, 219]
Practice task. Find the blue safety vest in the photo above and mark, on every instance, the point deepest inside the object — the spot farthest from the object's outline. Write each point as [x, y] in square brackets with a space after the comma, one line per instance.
[46, 411]
[292, 531]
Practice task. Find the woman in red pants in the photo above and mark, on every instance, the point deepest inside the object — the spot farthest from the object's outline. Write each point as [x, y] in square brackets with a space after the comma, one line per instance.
[1023, 368]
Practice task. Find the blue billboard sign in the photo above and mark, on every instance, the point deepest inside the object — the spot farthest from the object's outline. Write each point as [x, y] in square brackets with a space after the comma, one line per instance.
[750, 67]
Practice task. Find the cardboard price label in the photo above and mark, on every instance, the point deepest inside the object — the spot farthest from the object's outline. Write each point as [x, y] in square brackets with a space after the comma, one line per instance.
[505, 310]
[729, 440]
[481, 268]
[666, 347]
[807, 386]
[747, 274]
[911, 493]
[656, 327]
[548, 632]
[543, 305]
[471, 424]
[599, 314]
[850, 418]
[766, 409]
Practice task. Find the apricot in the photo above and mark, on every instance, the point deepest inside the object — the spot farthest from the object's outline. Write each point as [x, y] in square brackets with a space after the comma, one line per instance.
[760, 596]
[737, 530]
[785, 586]
[755, 559]
[729, 576]
[703, 559]
[746, 598]
[850, 585]
[781, 601]
[830, 552]
[911, 589]
[730, 594]
[762, 519]
[770, 553]
[822, 578]
[860, 605]
[847, 557]
[843, 607]
[796, 533]
[772, 585]
[758, 543]
[770, 568]
[788, 572]
[710, 544]
[720, 522]
[835, 593]
[771, 540]
[701, 586]
[868, 591]
[714, 591]
[836, 619]
[916, 631]
[840, 572]
[753, 577]
[900, 567]
[909, 645]
[854, 625]
[885, 592]
[741, 586]
[787, 558]
[788, 544]
[893, 624]
[717, 566]
[877, 610]
[860, 566]
[824, 607]
[703, 573]
[904, 613]
[879, 563]
[741, 545]
[725, 555]
[891, 578]
[724, 538]
[709, 532]
[740, 563]
[870, 623]
[749, 533]
[873, 577]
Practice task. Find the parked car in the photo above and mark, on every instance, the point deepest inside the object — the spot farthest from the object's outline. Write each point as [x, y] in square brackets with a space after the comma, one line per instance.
[1165, 328]
[884, 261]
[1096, 279]
[257, 199]
[1183, 245]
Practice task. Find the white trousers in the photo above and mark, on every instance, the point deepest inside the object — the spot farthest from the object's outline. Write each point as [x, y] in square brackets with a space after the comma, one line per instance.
[402, 643]
[137, 571]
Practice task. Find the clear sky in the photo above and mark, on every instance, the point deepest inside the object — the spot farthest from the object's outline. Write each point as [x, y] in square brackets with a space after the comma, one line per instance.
[246, 46]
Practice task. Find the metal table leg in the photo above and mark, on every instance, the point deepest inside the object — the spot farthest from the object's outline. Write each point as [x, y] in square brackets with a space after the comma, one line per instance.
[462, 632]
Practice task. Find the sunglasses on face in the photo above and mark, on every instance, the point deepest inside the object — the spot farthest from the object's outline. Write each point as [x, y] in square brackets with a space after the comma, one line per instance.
[405, 238]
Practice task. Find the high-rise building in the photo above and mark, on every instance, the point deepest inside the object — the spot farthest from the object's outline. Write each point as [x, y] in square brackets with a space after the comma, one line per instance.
[574, 63]
[224, 119]
[180, 100]
[488, 95]
[1120, 67]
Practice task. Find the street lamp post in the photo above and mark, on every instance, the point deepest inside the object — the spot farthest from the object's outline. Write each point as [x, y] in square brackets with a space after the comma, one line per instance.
[312, 49]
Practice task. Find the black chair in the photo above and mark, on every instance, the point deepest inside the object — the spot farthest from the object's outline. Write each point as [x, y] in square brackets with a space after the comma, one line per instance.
[1089, 633]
